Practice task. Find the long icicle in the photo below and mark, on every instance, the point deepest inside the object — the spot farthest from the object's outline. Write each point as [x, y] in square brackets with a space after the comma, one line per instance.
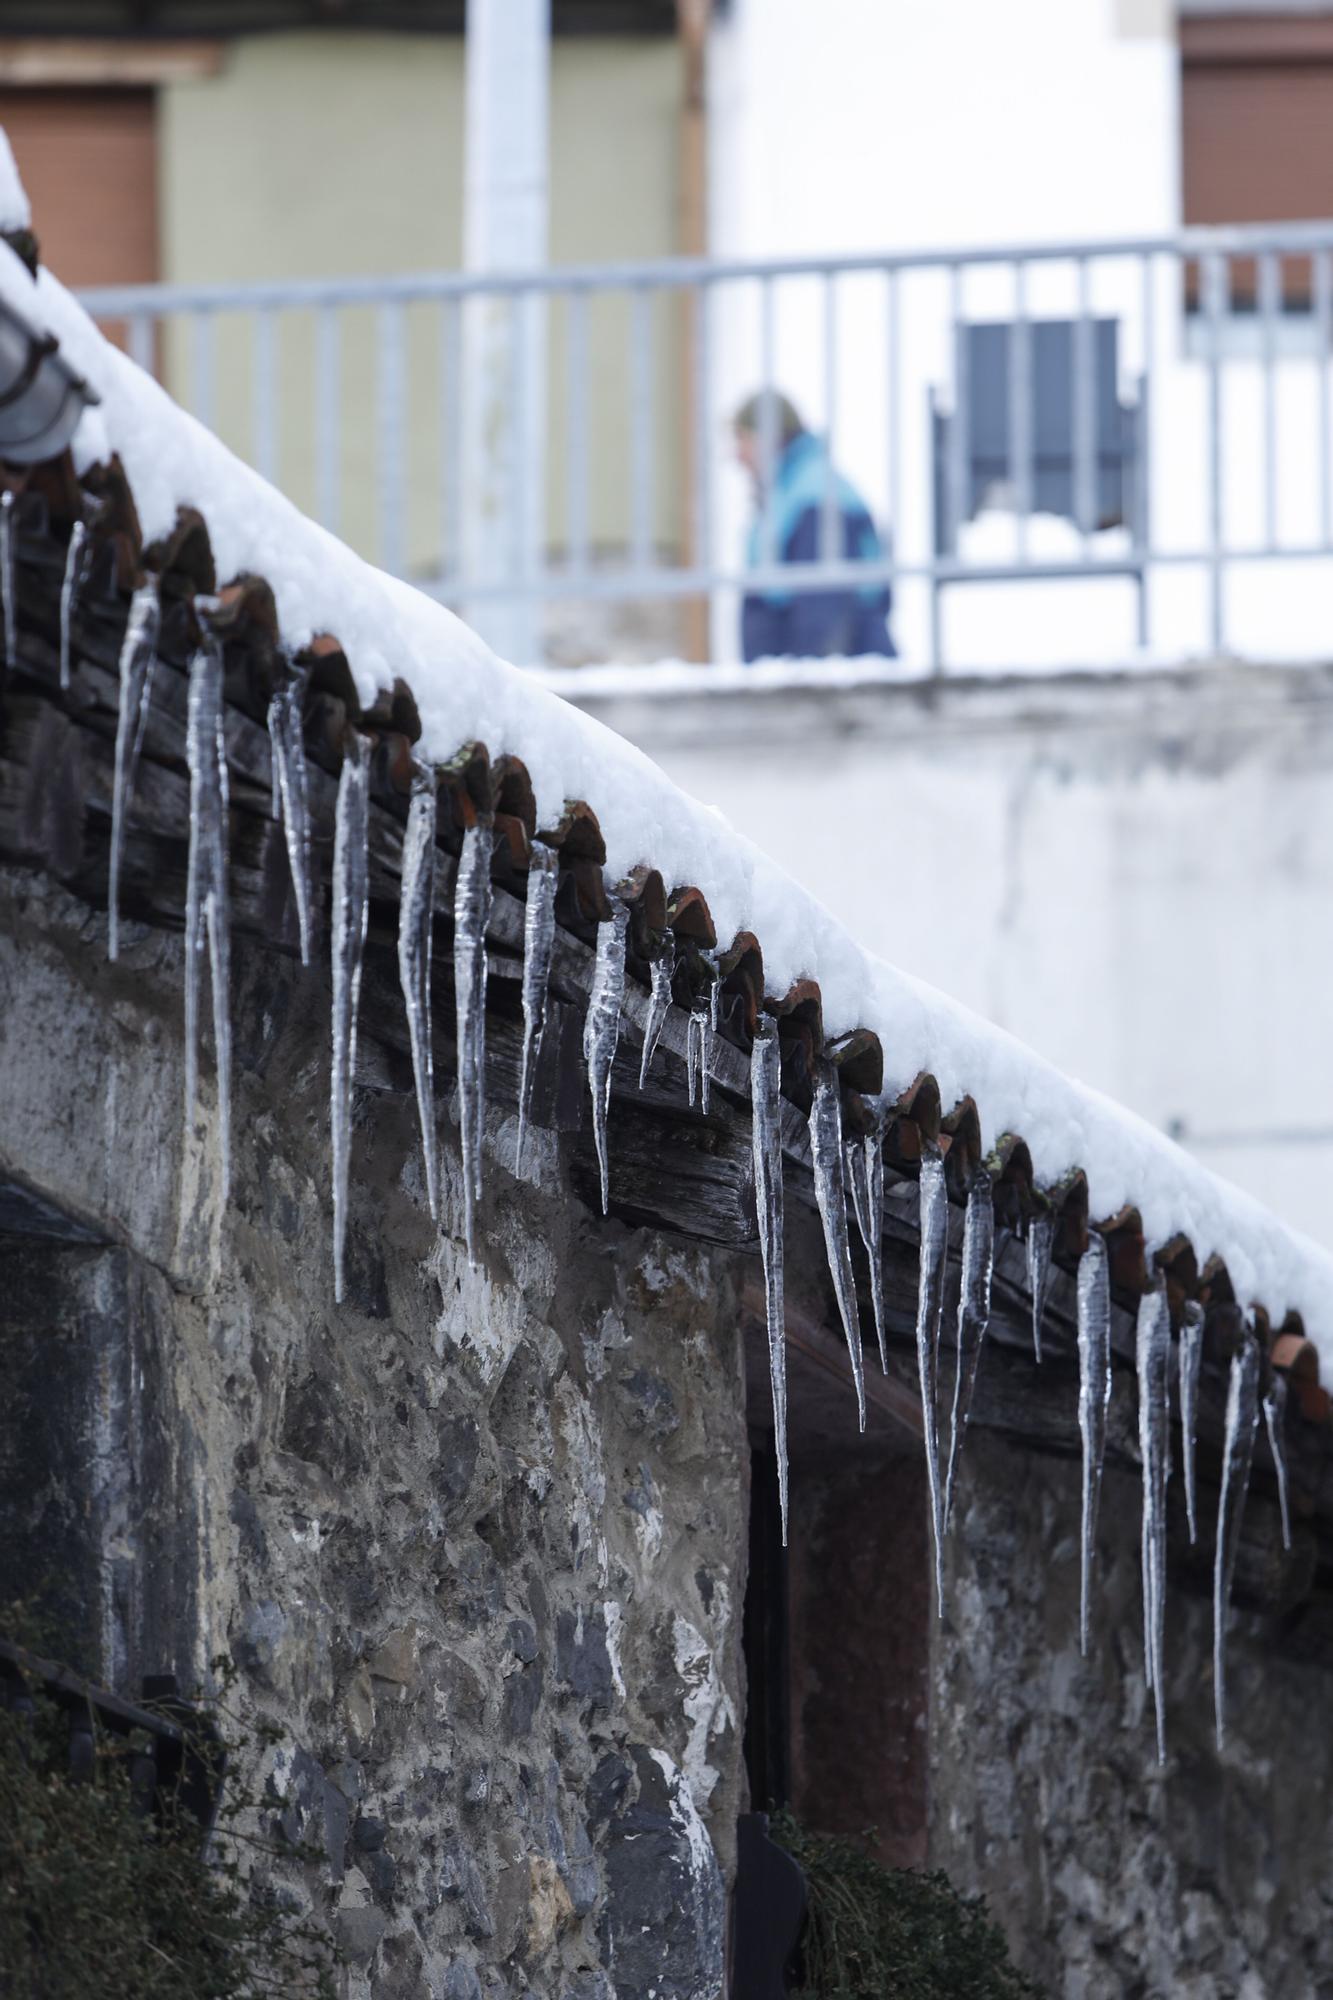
[207, 903]
[472, 912]
[1041, 1234]
[538, 945]
[659, 1003]
[1275, 1418]
[934, 1251]
[699, 1031]
[831, 1200]
[1191, 1356]
[1094, 1396]
[865, 1174]
[1153, 1354]
[416, 931]
[138, 657]
[601, 1030]
[291, 804]
[1237, 1456]
[8, 580]
[76, 564]
[973, 1317]
[351, 872]
[766, 1139]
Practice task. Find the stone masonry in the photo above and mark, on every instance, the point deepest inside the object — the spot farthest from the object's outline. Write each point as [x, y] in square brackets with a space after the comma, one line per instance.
[1115, 1880]
[475, 1540]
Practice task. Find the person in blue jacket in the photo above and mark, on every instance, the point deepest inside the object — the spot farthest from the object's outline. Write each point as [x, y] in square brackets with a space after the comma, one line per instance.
[787, 528]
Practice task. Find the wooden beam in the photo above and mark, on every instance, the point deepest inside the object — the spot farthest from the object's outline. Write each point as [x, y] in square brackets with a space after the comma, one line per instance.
[44, 62]
[812, 1339]
[1255, 40]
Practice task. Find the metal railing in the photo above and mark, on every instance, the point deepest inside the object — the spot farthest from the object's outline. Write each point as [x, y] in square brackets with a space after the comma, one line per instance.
[173, 1755]
[1150, 414]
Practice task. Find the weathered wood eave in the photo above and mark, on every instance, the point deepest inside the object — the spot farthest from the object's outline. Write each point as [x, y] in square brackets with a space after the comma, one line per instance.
[672, 1166]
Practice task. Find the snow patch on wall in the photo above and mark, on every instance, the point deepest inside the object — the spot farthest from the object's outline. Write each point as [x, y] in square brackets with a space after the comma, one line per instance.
[577, 1424]
[707, 1705]
[615, 1622]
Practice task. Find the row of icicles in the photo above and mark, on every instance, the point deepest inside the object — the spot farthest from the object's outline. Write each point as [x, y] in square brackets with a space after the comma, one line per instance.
[840, 1167]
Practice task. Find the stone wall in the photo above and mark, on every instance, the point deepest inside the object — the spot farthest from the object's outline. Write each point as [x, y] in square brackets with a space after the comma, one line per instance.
[1111, 1877]
[475, 1540]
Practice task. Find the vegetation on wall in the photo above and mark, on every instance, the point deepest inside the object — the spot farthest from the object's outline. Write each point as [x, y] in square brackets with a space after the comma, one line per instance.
[877, 1933]
[96, 1898]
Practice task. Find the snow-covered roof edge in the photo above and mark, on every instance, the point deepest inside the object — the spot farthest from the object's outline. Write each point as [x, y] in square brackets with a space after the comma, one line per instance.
[388, 631]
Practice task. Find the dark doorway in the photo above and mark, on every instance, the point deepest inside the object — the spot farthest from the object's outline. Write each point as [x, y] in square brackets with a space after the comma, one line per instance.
[765, 1639]
[837, 1626]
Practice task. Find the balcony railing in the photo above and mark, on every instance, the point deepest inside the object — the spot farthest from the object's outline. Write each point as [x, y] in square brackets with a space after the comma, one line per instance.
[1123, 445]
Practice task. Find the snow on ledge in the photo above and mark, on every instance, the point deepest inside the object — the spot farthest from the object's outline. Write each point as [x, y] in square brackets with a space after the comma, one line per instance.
[667, 680]
[464, 692]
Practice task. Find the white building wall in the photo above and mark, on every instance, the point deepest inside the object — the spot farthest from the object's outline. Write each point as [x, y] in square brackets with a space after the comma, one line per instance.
[854, 128]
[905, 124]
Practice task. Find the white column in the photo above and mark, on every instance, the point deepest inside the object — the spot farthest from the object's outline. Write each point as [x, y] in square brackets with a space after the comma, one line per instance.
[504, 339]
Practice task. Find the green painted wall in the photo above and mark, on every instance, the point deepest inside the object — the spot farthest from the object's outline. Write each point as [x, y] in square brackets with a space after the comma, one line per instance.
[322, 155]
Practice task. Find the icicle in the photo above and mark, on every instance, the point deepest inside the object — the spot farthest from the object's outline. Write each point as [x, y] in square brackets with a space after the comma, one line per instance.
[138, 656]
[1237, 1455]
[659, 1003]
[1041, 1232]
[1094, 1396]
[286, 735]
[831, 1199]
[1153, 1353]
[766, 1138]
[1191, 1354]
[76, 563]
[1275, 1417]
[207, 906]
[865, 1174]
[934, 1235]
[694, 1058]
[601, 1029]
[472, 913]
[538, 945]
[8, 585]
[351, 871]
[973, 1317]
[416, 930]
[699, 1030]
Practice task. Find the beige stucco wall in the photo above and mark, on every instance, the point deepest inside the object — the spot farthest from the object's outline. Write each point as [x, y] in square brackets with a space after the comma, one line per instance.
[321, 155]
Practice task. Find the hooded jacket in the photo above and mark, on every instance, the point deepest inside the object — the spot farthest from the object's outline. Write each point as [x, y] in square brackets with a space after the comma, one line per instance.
[816, 624]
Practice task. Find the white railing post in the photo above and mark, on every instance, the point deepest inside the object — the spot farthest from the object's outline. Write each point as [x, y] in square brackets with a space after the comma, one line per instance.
[504, 336]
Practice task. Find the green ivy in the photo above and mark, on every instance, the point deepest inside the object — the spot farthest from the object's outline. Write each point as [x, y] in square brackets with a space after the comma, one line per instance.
[877, 1933]
[95, 1899]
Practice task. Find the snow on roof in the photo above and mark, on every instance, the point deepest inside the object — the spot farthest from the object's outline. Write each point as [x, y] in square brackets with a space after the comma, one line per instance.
[464, 693]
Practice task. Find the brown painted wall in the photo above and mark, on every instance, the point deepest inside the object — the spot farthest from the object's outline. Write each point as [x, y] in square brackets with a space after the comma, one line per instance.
[1257, 141]
[89, 163]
